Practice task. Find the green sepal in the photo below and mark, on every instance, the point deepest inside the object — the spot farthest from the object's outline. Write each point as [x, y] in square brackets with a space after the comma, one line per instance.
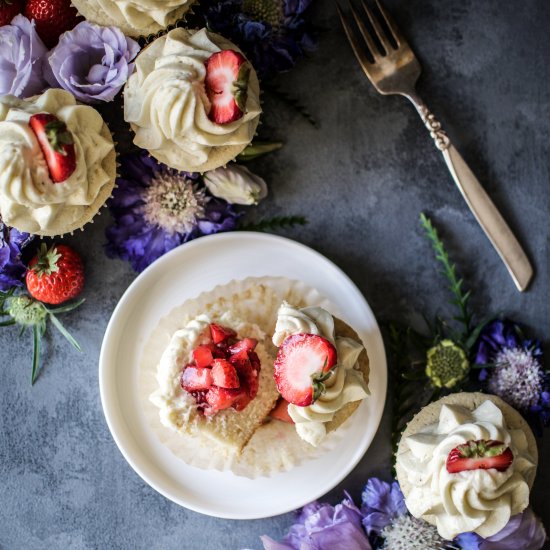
[240, 86]
[258, 149]
[58, 135]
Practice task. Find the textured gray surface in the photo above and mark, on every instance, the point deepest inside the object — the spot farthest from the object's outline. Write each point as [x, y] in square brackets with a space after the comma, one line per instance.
[362, 178]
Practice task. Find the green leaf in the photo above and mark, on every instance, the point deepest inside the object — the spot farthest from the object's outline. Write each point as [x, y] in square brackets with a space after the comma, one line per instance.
[57, 323]
[292, 102]
[37, 339]
[258, 149]
[67, 308]
[7, 323]
[271, 224]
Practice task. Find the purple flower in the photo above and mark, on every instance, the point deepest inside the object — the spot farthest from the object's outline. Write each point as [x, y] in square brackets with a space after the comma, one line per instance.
[272, 33]
[12, 269]
[22, 56]
[92, 62]
[156, 208]
[523, 532]
[381, 503]
[324, 527]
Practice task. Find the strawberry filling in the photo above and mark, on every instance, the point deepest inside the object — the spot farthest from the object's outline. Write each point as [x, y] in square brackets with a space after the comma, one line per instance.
[223, 373]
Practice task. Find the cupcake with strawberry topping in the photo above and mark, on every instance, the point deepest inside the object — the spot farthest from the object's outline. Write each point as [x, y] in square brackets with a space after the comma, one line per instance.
[466, 463]
[321, 371]
[193, 100]
[57, 163]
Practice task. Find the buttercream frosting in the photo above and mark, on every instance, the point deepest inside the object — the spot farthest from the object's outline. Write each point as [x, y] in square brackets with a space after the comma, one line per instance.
[345, 384]
[29, 199]
[480, 501]
[166, 104]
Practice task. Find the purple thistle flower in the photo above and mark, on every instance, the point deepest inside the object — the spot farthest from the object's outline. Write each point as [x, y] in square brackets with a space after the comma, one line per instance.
[22, 57]
[324, 527]
[156, 208]
[514, 368]
[272, 33]
[92, 62]
[12, 269]
[381, 503]
[523, 532]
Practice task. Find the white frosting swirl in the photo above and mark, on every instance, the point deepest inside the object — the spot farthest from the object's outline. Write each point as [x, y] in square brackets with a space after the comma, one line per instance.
[346, 384]
[166, 104]
[481, 501]
[29, 199]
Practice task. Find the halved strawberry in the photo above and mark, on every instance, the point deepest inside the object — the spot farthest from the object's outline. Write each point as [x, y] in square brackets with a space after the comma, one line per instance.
[280, 411]
[196, 378]
[224, 374]
[303, 363]
[227, 75]
[482, 454]
[202, 355]
[57, 145]
[220, 334]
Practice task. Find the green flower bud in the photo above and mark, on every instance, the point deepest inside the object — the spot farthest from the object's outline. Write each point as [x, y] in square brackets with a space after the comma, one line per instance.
[26, 311]
[447, 364]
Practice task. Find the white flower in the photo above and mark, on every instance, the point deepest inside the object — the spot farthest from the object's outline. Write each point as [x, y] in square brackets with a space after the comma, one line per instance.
[236, 184]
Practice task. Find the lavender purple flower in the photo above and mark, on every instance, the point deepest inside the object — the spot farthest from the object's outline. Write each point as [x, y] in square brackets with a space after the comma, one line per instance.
[156, 208]
[22, 56]
[92, 62]
[12, 269]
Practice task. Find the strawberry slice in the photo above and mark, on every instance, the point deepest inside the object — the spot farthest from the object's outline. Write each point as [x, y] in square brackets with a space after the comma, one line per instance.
[224, 374]
[57, 145]
[482, 454]
[303, 363]
[196, 378]
[226, 81]
[220, 334]
[280, 412]
[202, 355]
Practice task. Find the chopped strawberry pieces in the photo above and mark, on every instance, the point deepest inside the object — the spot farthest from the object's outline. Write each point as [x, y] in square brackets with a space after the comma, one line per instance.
[303, 363]
[196, 378]
[224, 374]
[202, 355]
[220, 398]
[220, 334]
[280, 412]
[246, 344]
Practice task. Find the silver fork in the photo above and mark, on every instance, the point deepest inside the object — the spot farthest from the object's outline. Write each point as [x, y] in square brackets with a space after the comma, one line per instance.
[392, 68]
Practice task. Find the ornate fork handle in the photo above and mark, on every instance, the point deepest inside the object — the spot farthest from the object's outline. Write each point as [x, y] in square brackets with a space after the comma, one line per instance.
[480, 204]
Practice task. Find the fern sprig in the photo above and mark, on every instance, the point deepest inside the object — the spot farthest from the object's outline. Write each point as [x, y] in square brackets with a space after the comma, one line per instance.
[272, 224]
[460, 297]
[292, 102]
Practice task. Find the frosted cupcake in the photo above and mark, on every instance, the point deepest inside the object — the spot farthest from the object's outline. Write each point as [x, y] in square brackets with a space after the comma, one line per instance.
[193, 100]
[134, 17]
[466, 463]
[57, 163]
[321, 370]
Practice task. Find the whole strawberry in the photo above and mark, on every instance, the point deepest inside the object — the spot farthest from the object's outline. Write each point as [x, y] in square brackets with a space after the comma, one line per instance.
[55, 274]
[52, 17]
[9, 9]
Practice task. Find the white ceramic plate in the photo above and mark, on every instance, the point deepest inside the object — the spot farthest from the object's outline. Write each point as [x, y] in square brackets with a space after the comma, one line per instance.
[184, 273]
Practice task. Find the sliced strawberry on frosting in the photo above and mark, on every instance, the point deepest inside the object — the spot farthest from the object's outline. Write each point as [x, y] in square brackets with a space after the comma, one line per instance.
[224, 374]
[57, 145]
[482, 454]
[227, 75]
[303, 364]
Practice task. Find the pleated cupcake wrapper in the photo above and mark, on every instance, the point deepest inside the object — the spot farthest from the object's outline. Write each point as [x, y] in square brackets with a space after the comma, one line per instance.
[260, 457]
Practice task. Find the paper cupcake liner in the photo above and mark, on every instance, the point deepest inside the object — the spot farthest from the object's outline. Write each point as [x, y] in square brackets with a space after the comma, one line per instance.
[275, 446]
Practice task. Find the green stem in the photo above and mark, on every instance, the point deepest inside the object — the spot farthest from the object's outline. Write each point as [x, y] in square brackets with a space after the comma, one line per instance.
[37, 339]
[57, 323]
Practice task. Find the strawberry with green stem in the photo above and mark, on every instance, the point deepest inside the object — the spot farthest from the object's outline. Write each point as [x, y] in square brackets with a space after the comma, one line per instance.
[28, 312]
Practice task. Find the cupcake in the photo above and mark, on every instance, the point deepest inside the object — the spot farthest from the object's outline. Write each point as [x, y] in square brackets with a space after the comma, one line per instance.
[193, 100]
[134, 17]
[321, 370]
[466, 463]
[57, 163]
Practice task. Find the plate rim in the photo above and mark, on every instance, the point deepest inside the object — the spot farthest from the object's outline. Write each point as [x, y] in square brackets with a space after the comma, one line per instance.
[107, 406]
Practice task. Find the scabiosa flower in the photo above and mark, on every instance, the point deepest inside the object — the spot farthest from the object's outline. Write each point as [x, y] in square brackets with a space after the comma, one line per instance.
[22, 56]
[272, 33]
[409, 533]
[156, 208]
[523, 532]
[324, 527]
[447, 364]
[514, 368]
[92, 62]
[12, 268]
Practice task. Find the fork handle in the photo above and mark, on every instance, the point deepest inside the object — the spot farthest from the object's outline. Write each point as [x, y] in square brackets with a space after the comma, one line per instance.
[483, 208]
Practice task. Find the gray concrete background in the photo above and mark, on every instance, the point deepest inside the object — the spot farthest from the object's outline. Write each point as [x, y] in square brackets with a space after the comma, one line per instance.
[362, 179]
